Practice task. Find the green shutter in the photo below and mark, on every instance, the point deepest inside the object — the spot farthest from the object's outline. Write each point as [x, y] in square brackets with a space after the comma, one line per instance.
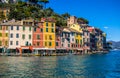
[50, 43]
[23, 36]
[46, 23]
[30, 28]
[52, 30]
[46, 29]
[41, 30]
[29, 36]
[23, 28]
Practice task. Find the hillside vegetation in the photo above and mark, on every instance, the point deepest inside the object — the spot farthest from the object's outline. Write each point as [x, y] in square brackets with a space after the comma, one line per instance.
[35, 9]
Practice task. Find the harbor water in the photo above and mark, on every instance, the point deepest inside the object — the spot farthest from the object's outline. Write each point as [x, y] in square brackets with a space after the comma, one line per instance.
[102, 65]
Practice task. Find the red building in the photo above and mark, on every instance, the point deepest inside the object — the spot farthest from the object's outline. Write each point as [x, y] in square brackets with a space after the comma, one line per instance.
[38, 37]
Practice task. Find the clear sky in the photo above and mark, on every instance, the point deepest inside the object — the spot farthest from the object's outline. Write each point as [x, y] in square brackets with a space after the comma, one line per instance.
[104, 14]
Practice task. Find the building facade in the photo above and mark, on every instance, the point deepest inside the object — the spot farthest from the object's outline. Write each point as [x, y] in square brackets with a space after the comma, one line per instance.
[38, 36]
[4, 38]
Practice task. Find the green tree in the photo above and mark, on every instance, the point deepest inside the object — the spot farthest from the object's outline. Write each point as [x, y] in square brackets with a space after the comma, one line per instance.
[33, 1]
[82, 21]
[65, 15]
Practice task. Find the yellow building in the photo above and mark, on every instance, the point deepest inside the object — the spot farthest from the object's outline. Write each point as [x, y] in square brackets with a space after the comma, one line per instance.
[78, 36]
[76, 27]
[49, 34]
[3, 36]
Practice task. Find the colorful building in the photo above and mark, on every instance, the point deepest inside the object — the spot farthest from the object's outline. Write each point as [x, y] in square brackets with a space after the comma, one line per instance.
[44, 38]
[49, 35]
[4, 39]
[38, 37]
[99, 39]
[93, 44]
[58, 39]
[19, 34]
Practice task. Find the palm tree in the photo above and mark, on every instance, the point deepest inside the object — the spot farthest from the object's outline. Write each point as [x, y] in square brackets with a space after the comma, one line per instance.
[45, 2]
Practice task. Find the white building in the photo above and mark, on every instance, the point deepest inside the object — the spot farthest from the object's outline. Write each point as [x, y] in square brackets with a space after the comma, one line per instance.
[20, 33]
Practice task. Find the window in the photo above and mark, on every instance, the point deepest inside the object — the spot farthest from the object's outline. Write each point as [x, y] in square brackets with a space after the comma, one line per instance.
[0, 27]
[0, 34]
[50, 37]
[57, 44]
[26, 43]
[23, 28]
[52, 24]
[30, 28]
[62, 45]
[83, 39]
[68, 40]
[62, 35]
[29, 36]
[17, 28]
[17, 43]
[77, 41]
[50, 43]
[38, 43]
[45, 43]
[72, 34]
[34, 29]
[62, 39]
[68, 45]
[11, 27]
[72, 39]
[80, 41]
[17, 35]
[11, 35]
[41, 30]
[11, 42]
[46, 37]
[23, 36]
[46, 29]
[87, 33]
[46, 23]
[87, 39]
[0, 43]
[68, 35]
[52, 30]
[38, 36]
[6, 34]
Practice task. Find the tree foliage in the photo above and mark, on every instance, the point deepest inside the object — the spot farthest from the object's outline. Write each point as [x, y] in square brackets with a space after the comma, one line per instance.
[34, 9]
[82, 20]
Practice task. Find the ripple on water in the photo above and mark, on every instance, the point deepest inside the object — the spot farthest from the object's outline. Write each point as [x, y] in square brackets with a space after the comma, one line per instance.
[71, 66]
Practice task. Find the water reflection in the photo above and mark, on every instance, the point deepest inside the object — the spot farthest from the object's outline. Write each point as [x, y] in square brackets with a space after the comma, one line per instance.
[71, 66]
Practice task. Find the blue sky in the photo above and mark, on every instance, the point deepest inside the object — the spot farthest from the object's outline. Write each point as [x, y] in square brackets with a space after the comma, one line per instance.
[104, 14]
